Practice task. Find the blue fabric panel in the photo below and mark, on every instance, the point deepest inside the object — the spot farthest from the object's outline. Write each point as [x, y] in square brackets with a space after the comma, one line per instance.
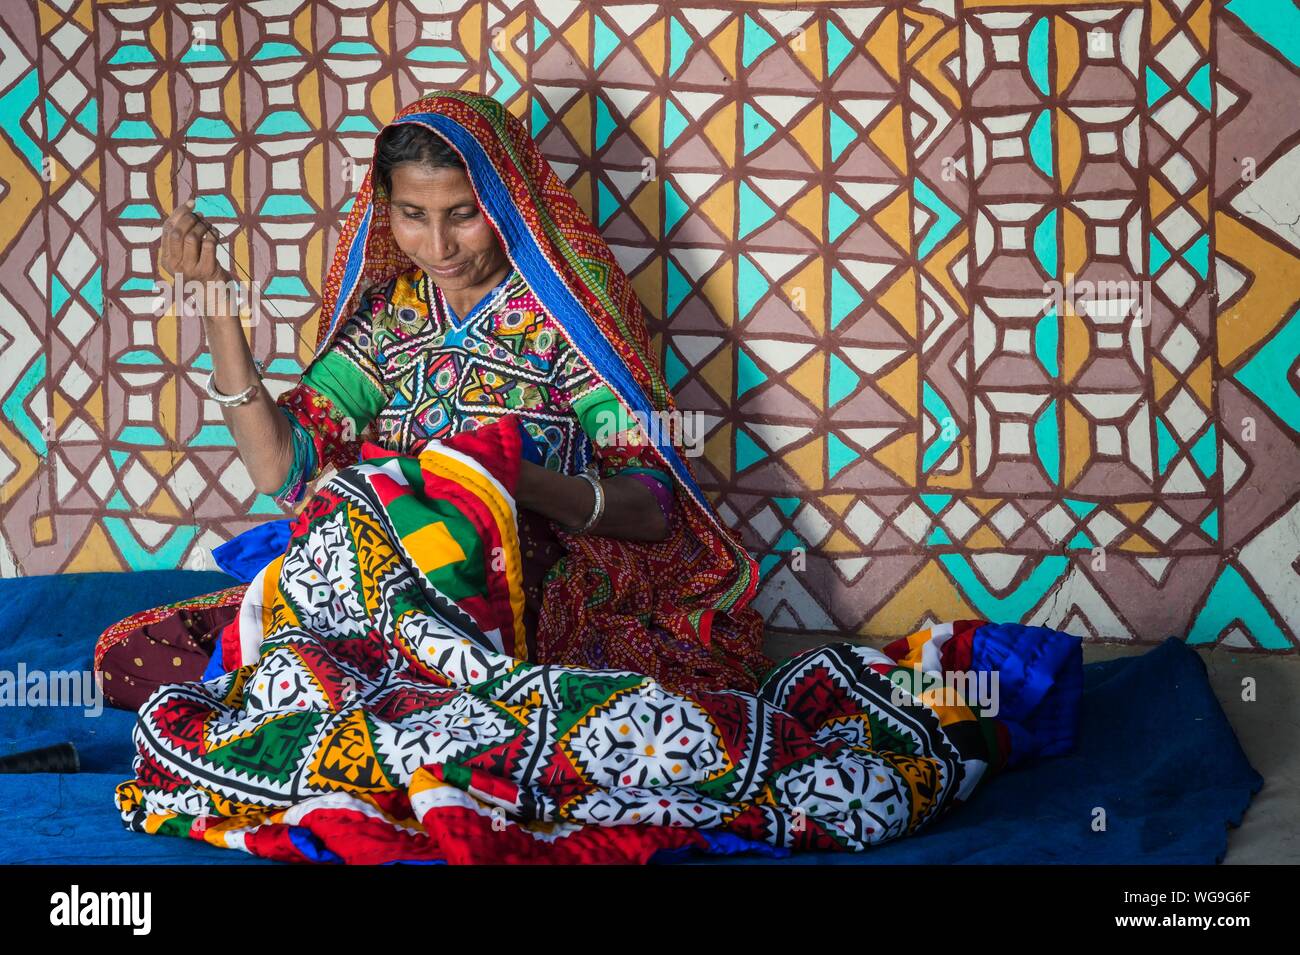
[245, 554]
[1039, 685]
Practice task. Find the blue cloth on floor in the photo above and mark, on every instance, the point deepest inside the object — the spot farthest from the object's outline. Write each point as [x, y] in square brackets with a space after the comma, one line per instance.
[1154, 750]
[51, 623]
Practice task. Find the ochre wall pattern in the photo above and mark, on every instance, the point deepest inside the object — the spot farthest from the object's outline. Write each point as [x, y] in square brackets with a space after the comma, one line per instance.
[844, 219]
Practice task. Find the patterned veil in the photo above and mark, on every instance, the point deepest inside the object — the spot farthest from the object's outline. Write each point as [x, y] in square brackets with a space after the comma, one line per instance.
[675, 609]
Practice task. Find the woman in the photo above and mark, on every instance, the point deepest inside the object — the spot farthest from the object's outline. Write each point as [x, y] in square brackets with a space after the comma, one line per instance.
[448, 335]
[377, 693]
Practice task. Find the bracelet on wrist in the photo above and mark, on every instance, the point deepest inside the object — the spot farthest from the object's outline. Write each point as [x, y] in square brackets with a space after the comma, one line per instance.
[598, 506]
[234, 401]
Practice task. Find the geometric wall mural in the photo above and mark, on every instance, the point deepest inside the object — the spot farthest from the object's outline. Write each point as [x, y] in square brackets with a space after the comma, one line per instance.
[991, 309]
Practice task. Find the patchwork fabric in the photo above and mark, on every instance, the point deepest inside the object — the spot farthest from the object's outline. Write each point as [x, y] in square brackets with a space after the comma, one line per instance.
[381, 709]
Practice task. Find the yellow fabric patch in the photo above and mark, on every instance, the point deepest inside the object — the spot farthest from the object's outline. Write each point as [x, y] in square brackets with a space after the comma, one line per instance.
[432, 546]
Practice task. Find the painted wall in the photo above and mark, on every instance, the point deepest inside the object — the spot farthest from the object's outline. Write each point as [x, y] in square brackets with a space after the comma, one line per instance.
[845, 216]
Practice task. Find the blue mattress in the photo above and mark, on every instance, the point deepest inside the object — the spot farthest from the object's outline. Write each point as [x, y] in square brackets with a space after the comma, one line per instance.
[1155, 752]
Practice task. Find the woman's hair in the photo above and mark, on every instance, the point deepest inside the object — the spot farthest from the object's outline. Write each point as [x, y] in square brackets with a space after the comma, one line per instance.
[411, 142]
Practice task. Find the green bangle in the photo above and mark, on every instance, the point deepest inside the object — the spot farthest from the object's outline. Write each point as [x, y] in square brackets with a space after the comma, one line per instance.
[304, 463]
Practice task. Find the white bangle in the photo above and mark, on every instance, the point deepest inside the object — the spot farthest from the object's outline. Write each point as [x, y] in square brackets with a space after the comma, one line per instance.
[234, 401]
[597, 509]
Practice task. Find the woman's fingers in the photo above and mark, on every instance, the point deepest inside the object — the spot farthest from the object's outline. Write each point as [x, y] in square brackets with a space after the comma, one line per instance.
[195, 226]
[189, 242]
[173, 234]
[207, 264]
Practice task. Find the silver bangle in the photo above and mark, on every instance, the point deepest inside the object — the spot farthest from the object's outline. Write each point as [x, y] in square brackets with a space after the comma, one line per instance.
[234, 401]
[597, 509]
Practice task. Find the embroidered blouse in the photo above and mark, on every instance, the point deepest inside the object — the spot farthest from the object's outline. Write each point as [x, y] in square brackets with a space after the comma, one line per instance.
[407, 365]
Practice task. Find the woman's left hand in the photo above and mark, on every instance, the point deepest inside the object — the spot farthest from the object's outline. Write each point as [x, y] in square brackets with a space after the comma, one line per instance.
[631, 511]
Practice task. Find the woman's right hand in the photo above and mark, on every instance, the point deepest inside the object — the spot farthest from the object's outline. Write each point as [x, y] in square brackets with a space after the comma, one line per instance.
[188, 248]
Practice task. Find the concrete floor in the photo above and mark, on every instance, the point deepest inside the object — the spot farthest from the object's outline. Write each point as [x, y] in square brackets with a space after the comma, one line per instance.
[1268, 728]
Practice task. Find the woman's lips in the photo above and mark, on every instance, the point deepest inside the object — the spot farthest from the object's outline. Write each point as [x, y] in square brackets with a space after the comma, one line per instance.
[448, 273]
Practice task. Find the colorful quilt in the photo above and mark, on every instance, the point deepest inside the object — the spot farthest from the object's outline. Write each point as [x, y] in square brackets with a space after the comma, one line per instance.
[380, 708]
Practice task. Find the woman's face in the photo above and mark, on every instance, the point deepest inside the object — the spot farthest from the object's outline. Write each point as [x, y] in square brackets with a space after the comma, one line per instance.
[437, 222]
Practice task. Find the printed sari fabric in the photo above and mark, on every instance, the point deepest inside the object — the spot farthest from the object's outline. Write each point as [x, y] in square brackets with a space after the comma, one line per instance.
[381, 709]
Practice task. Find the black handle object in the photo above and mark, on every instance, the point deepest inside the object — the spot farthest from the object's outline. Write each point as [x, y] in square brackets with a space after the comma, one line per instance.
[48, 759]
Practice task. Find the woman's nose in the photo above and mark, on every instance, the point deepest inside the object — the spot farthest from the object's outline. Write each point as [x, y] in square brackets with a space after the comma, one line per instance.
[440, 247]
